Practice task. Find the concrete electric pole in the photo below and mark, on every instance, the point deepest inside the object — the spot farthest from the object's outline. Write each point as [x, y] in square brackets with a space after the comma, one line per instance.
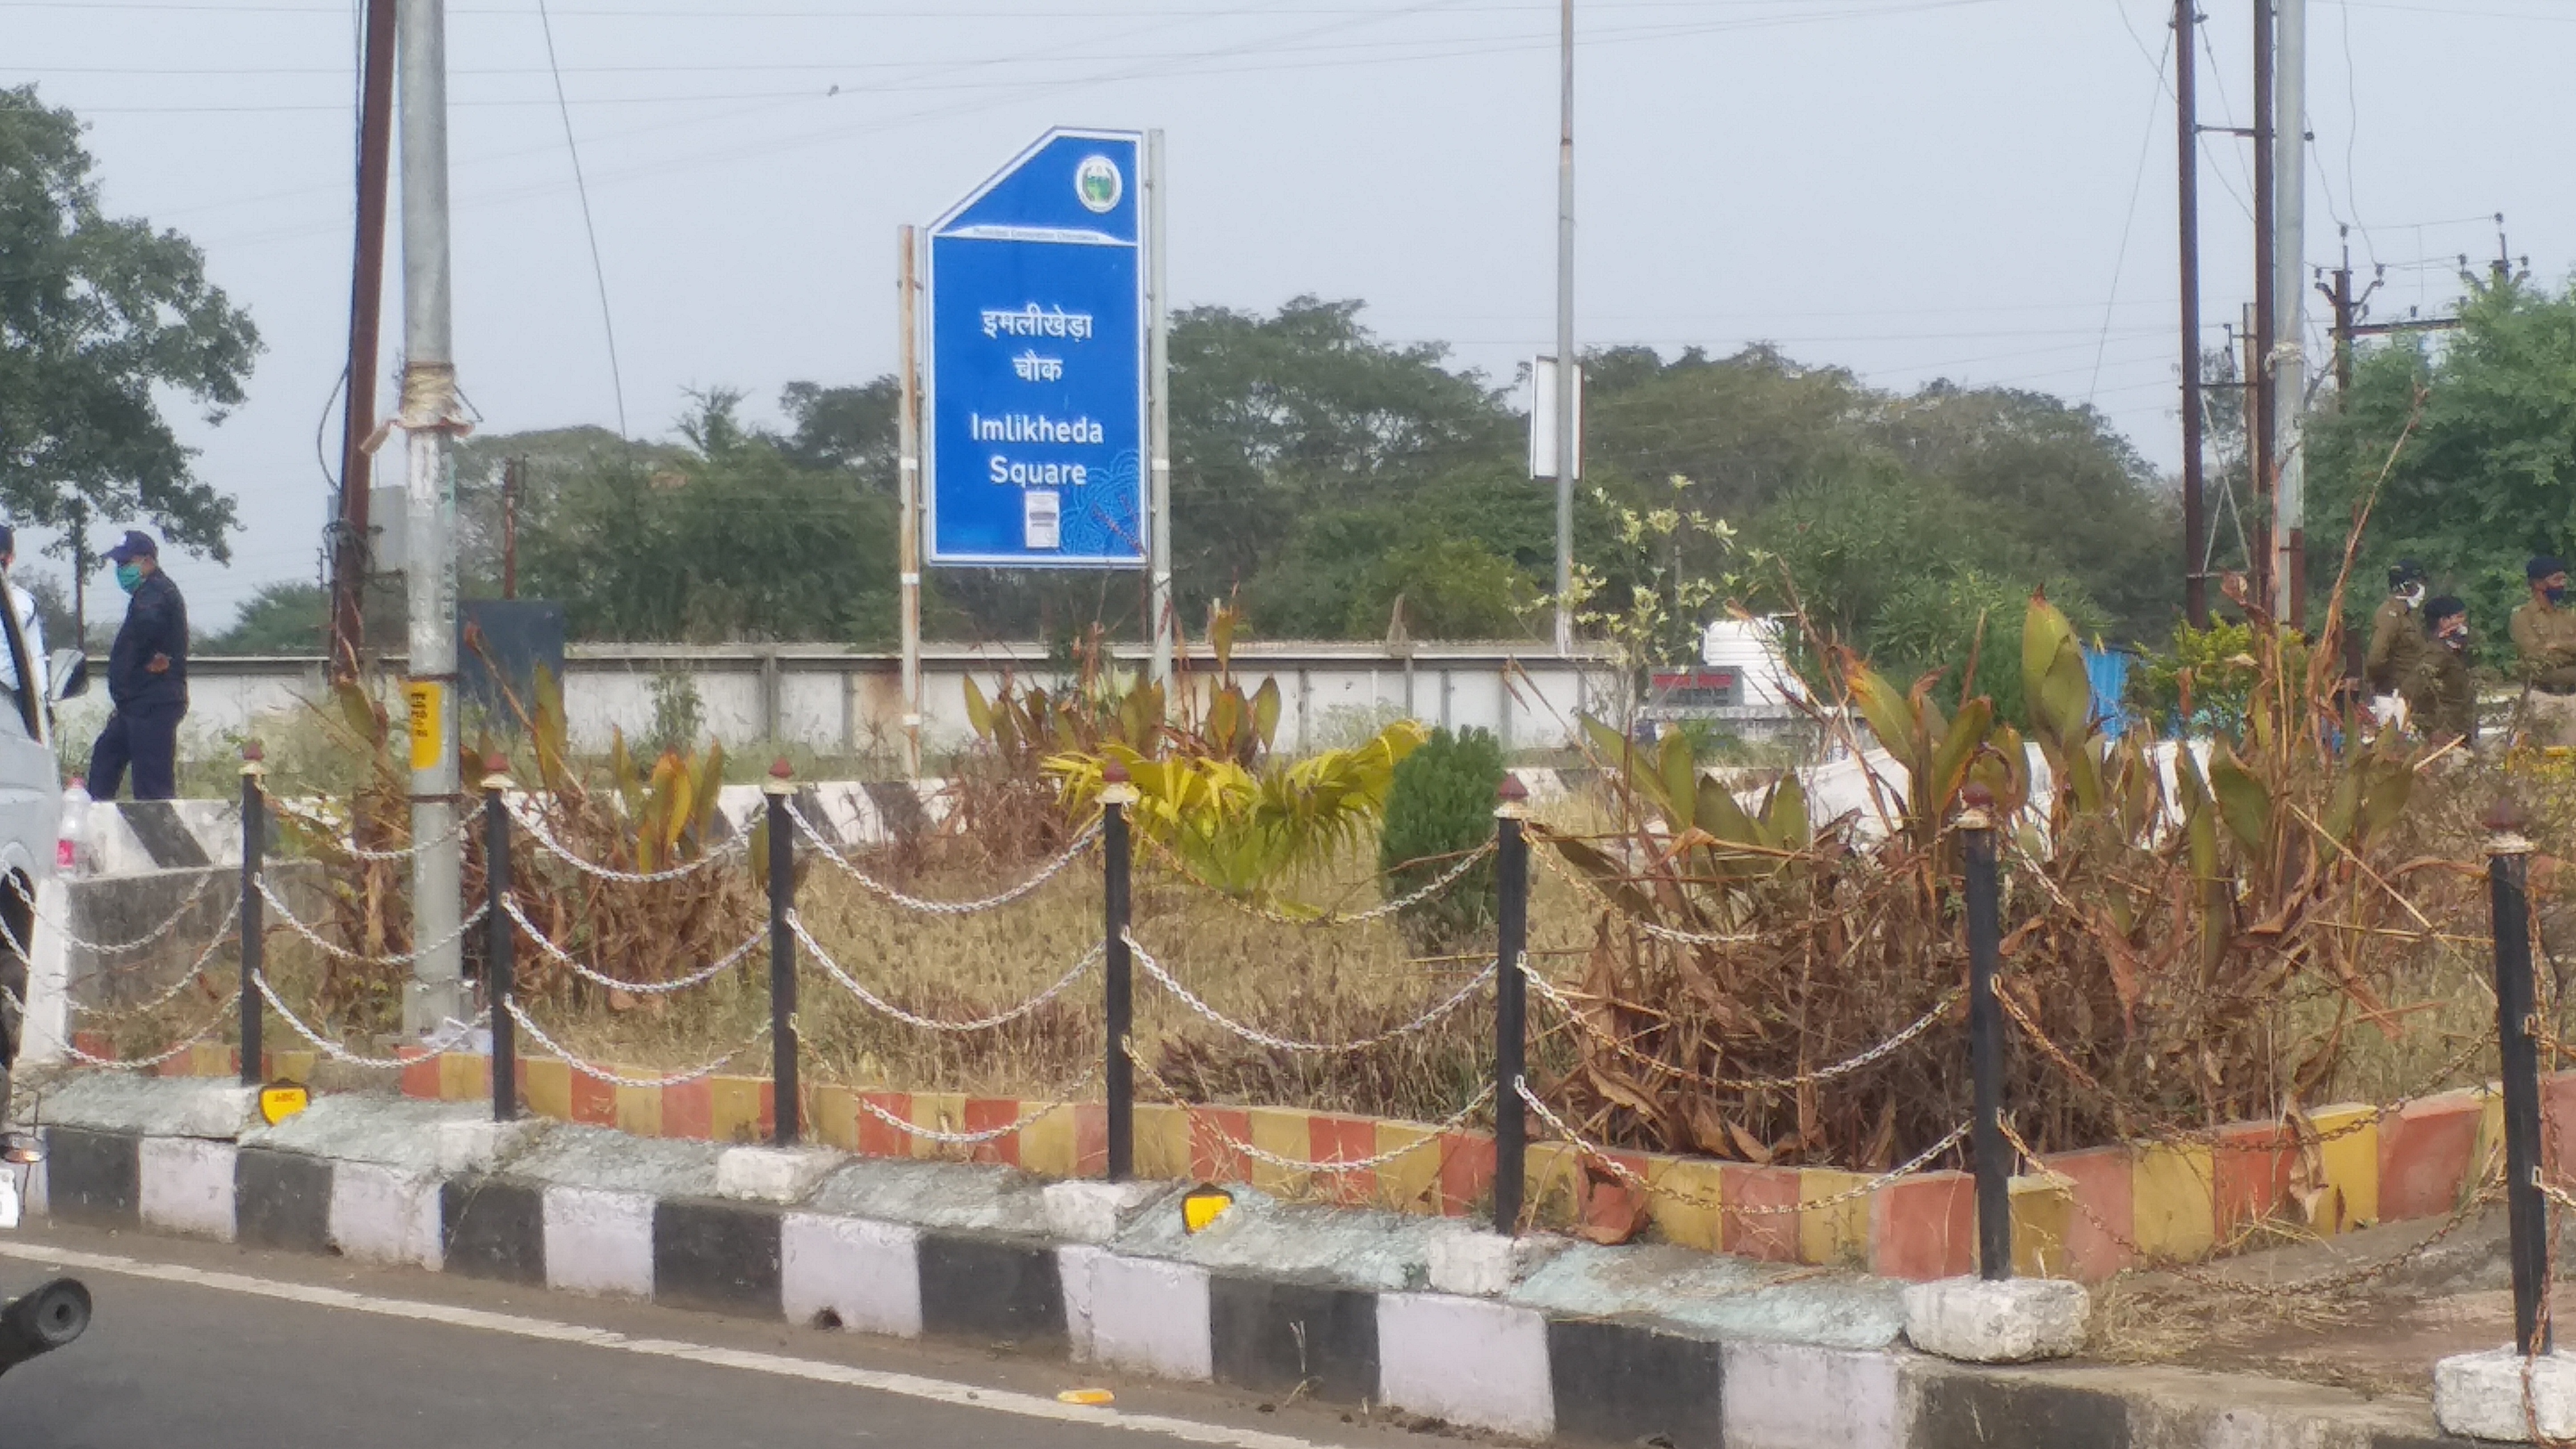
[430, 413]
[2289, 360]
[1566, 362]
[2195, 519]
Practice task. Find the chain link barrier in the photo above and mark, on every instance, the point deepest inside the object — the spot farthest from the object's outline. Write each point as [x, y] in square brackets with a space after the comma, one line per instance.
[1564, 1004]
[975, 1138]
[537, 829]
[63, 929]
[1432, 1133]
[922, 906]
[332, 948]
[223, 1013]
[1620, 1170]
[596, 977]
[430, 1047]
[196, 971]
[850, 984]
[1456, 872]
[599, 1073]
[344, 841]
[1258, 1037]
[1600, 899]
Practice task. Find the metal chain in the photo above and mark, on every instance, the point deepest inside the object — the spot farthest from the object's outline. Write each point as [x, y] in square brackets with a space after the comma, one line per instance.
[97, 948]
[848, 983]
[196, 969]
[339, 1053]
[1627, 1175]
[1258, 1037]
[602, 1074]
[965, 1139]
[535, 825]
[1455, 873]
[922, 906]
[1671, 934]
[1820, 1075]
[2213, 1137]
[579, 968]
[465, 821]
[472, 919]
[1431, 1136]
[223, 1013]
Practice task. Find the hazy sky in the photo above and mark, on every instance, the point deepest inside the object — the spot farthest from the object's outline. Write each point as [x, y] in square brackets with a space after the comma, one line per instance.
[1977, 189]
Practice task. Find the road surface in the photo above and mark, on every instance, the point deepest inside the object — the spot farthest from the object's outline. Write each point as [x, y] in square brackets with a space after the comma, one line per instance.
[219, 1348]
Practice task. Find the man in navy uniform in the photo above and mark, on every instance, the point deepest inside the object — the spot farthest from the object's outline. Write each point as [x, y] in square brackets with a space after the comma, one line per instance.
[147, 679]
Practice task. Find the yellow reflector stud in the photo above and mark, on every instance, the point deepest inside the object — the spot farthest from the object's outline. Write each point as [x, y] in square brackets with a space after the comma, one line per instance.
[1204, 1205]
[281, 1100]
[1088, 1398]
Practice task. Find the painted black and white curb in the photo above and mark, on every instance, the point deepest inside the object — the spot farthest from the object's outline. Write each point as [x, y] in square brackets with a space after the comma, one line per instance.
[590, 1212]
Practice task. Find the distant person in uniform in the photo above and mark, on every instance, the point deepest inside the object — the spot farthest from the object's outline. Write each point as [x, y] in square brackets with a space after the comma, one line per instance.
[2544, 641]
[147, 679]
[2397, 651]
[29, 623]
[2444, 699]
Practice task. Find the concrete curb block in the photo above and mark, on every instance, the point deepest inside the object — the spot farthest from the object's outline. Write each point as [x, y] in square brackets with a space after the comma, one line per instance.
[2501, 1396]
[2015, 1321]
[588, 1211]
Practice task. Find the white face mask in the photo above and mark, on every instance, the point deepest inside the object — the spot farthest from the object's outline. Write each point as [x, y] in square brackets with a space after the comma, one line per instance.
[2413, 594]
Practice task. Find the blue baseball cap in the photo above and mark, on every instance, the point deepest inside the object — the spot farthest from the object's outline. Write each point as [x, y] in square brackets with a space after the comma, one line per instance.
[137, 544]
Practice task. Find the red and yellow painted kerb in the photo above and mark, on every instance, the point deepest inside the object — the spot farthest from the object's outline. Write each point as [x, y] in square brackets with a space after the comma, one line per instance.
[2095, 1212]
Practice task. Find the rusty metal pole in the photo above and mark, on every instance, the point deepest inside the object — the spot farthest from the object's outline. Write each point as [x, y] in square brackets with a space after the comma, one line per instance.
[349, 548]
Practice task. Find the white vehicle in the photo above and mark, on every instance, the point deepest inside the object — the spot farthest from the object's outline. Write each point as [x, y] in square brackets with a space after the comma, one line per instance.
[30, 817]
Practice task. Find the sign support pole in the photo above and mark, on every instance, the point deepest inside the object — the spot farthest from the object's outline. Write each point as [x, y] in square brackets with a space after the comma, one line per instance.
[908, 426]
[1158, 379]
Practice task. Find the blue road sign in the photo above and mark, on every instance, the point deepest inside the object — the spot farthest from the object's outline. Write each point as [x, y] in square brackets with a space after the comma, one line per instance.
[1036, 395]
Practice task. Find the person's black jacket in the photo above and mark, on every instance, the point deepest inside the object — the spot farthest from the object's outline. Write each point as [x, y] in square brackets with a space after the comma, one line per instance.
[156, 622]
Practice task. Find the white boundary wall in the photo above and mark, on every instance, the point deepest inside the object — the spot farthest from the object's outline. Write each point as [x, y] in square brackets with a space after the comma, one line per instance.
[843, 702]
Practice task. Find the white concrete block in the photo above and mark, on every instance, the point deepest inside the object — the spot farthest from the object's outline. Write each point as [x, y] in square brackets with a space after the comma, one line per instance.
[31, 1191]
[2014, 1321]
[475, 1145]
[772, 1174]
[865, 1274]
[1466, 1361]
[1484, 1265]
[1794, 1396]
[187, 1186]
[47, 1032]
[1090, 1212]
[218, 1112]
[382, 1214]
[1144, 1315]
[2501, 1395]
[599, 1241]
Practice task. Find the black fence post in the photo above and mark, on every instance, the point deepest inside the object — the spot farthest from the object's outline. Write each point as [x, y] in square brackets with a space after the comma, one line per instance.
[500, 965]
[1986, 1040]
[254, 924]
[1511, 1001]
[2517, 1023]
[1120, 993]
[785, 1098]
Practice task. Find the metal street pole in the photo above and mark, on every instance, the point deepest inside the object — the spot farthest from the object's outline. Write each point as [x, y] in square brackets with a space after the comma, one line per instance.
[350, 547]
[2195, 488]
[429, 413]
[908, 451]
[2258, 376]
[1565, 358]
[1158, 522]
[2289, 362]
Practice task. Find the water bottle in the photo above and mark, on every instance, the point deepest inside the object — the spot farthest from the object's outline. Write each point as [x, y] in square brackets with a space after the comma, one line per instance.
[73, 832]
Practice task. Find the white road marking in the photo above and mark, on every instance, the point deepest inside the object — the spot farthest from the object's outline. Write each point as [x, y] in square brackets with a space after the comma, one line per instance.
[910, 1386]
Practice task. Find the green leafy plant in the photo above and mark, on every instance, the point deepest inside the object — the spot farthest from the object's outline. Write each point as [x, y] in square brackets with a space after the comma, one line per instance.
[1440, 804]
[2202, 685]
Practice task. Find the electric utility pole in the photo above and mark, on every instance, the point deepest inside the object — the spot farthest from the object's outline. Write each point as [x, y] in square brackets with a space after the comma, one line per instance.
[2195, 519]
[1566, 362]
[2347, 306]
[430, 413]
[2258, 376]
[349, 544]
[2289, 361]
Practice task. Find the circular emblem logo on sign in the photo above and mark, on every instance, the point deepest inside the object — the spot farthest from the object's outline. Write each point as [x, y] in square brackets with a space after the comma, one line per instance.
[1097, 182]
